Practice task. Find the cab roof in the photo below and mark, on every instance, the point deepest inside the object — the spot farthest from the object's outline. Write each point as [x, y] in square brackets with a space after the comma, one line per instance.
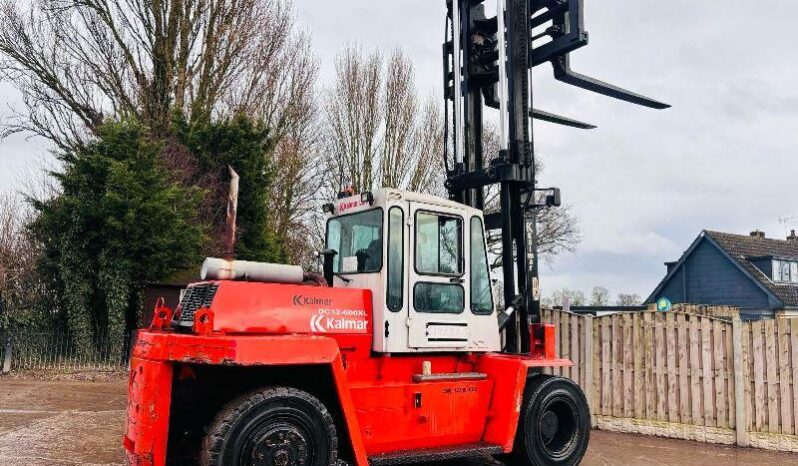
[388, 195]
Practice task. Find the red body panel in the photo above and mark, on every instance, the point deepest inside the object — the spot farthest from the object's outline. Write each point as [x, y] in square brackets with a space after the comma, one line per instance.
[512, 371]
[148, 412]
[155, 353]
[267, 308]
[391, 420]
[383, 408]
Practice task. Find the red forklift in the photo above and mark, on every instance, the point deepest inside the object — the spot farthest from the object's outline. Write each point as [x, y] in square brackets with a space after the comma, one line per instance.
[399, 353]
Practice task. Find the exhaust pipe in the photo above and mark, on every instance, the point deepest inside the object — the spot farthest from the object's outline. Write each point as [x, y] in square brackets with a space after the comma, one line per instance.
[222, 269]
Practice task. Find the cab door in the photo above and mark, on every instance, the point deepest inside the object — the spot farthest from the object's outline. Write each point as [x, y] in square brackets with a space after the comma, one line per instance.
[438, 316]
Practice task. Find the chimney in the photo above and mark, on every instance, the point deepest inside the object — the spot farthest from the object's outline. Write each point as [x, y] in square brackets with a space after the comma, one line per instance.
[792, 236]
[758, 234]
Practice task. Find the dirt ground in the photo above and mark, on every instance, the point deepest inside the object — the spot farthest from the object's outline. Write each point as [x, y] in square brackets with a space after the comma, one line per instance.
[81, 423]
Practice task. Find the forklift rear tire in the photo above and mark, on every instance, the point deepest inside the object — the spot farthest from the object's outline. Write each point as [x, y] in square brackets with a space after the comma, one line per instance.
[554, 429]
[272, 427]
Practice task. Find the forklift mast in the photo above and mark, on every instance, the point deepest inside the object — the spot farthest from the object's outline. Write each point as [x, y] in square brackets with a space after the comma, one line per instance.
[488, 64]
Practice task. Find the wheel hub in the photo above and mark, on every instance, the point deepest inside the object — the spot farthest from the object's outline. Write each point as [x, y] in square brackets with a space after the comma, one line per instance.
[558, 428]
[549, 425]
[281, 446]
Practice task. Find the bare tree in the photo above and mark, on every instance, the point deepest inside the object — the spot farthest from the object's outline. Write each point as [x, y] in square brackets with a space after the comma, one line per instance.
[294, 191]
[558, 297]
[629, 299]
[557, 227]
[80, 62]
[379, 132]
[19, 285]
[600, 296]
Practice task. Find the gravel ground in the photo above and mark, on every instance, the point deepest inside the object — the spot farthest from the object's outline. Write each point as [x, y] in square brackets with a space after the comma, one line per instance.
[61, 423]
[64, 423]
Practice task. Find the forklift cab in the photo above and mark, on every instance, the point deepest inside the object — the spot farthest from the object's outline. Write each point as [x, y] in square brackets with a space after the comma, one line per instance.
[425, 261]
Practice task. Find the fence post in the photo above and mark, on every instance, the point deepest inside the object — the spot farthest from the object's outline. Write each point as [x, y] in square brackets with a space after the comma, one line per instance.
[7, 359]
[587, 337]
[741, 422]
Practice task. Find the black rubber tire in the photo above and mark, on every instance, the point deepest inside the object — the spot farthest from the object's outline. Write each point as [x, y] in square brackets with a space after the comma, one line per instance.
[554, 429]
[272, 427]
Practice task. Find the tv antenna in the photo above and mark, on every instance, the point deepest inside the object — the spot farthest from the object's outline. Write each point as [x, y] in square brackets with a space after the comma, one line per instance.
[787, 221]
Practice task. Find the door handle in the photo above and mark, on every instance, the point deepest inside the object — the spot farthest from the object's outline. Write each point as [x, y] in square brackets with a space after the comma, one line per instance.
[457, 280]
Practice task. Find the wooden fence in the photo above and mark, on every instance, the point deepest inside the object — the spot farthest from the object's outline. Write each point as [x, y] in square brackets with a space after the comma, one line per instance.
[686, 376]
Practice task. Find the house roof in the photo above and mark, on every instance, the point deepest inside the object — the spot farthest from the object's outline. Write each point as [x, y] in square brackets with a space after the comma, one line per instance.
[744, 249]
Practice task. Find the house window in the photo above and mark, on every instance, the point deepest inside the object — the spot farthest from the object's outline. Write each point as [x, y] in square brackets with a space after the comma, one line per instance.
[785, 271]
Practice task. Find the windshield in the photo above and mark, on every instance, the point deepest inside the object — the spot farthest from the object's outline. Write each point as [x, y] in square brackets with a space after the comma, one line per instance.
[357, 239]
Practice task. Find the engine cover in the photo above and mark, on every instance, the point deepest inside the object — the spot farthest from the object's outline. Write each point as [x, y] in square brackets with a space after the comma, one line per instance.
[268, 308]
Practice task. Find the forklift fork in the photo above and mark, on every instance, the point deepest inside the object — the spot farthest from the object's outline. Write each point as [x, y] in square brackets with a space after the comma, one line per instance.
[567, 33]
[564, 73]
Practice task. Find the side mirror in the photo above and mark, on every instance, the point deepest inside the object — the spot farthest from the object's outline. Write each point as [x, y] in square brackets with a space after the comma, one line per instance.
[327, 267]
[555, 198]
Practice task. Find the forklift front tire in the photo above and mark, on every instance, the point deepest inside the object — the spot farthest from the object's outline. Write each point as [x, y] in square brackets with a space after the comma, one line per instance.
[554, 429]
[274, 426]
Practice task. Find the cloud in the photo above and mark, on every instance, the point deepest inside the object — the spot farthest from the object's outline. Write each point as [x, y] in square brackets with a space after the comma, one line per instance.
[645, 183]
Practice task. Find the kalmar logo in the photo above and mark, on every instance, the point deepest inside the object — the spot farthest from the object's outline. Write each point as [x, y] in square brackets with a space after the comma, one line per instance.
[316, 325]
[300, 300]
[335, 321]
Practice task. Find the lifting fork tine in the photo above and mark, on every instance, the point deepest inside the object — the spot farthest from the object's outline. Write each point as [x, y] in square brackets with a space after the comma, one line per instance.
[564, 73]
[560, 120]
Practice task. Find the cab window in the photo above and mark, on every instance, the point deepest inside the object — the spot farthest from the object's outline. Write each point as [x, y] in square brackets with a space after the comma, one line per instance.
[481, 292]
[357, 238]
[396, 259]
[438, 298]
[438, 248]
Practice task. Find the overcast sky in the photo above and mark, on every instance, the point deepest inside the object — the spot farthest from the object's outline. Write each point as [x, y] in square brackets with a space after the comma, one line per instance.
[646, 182]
